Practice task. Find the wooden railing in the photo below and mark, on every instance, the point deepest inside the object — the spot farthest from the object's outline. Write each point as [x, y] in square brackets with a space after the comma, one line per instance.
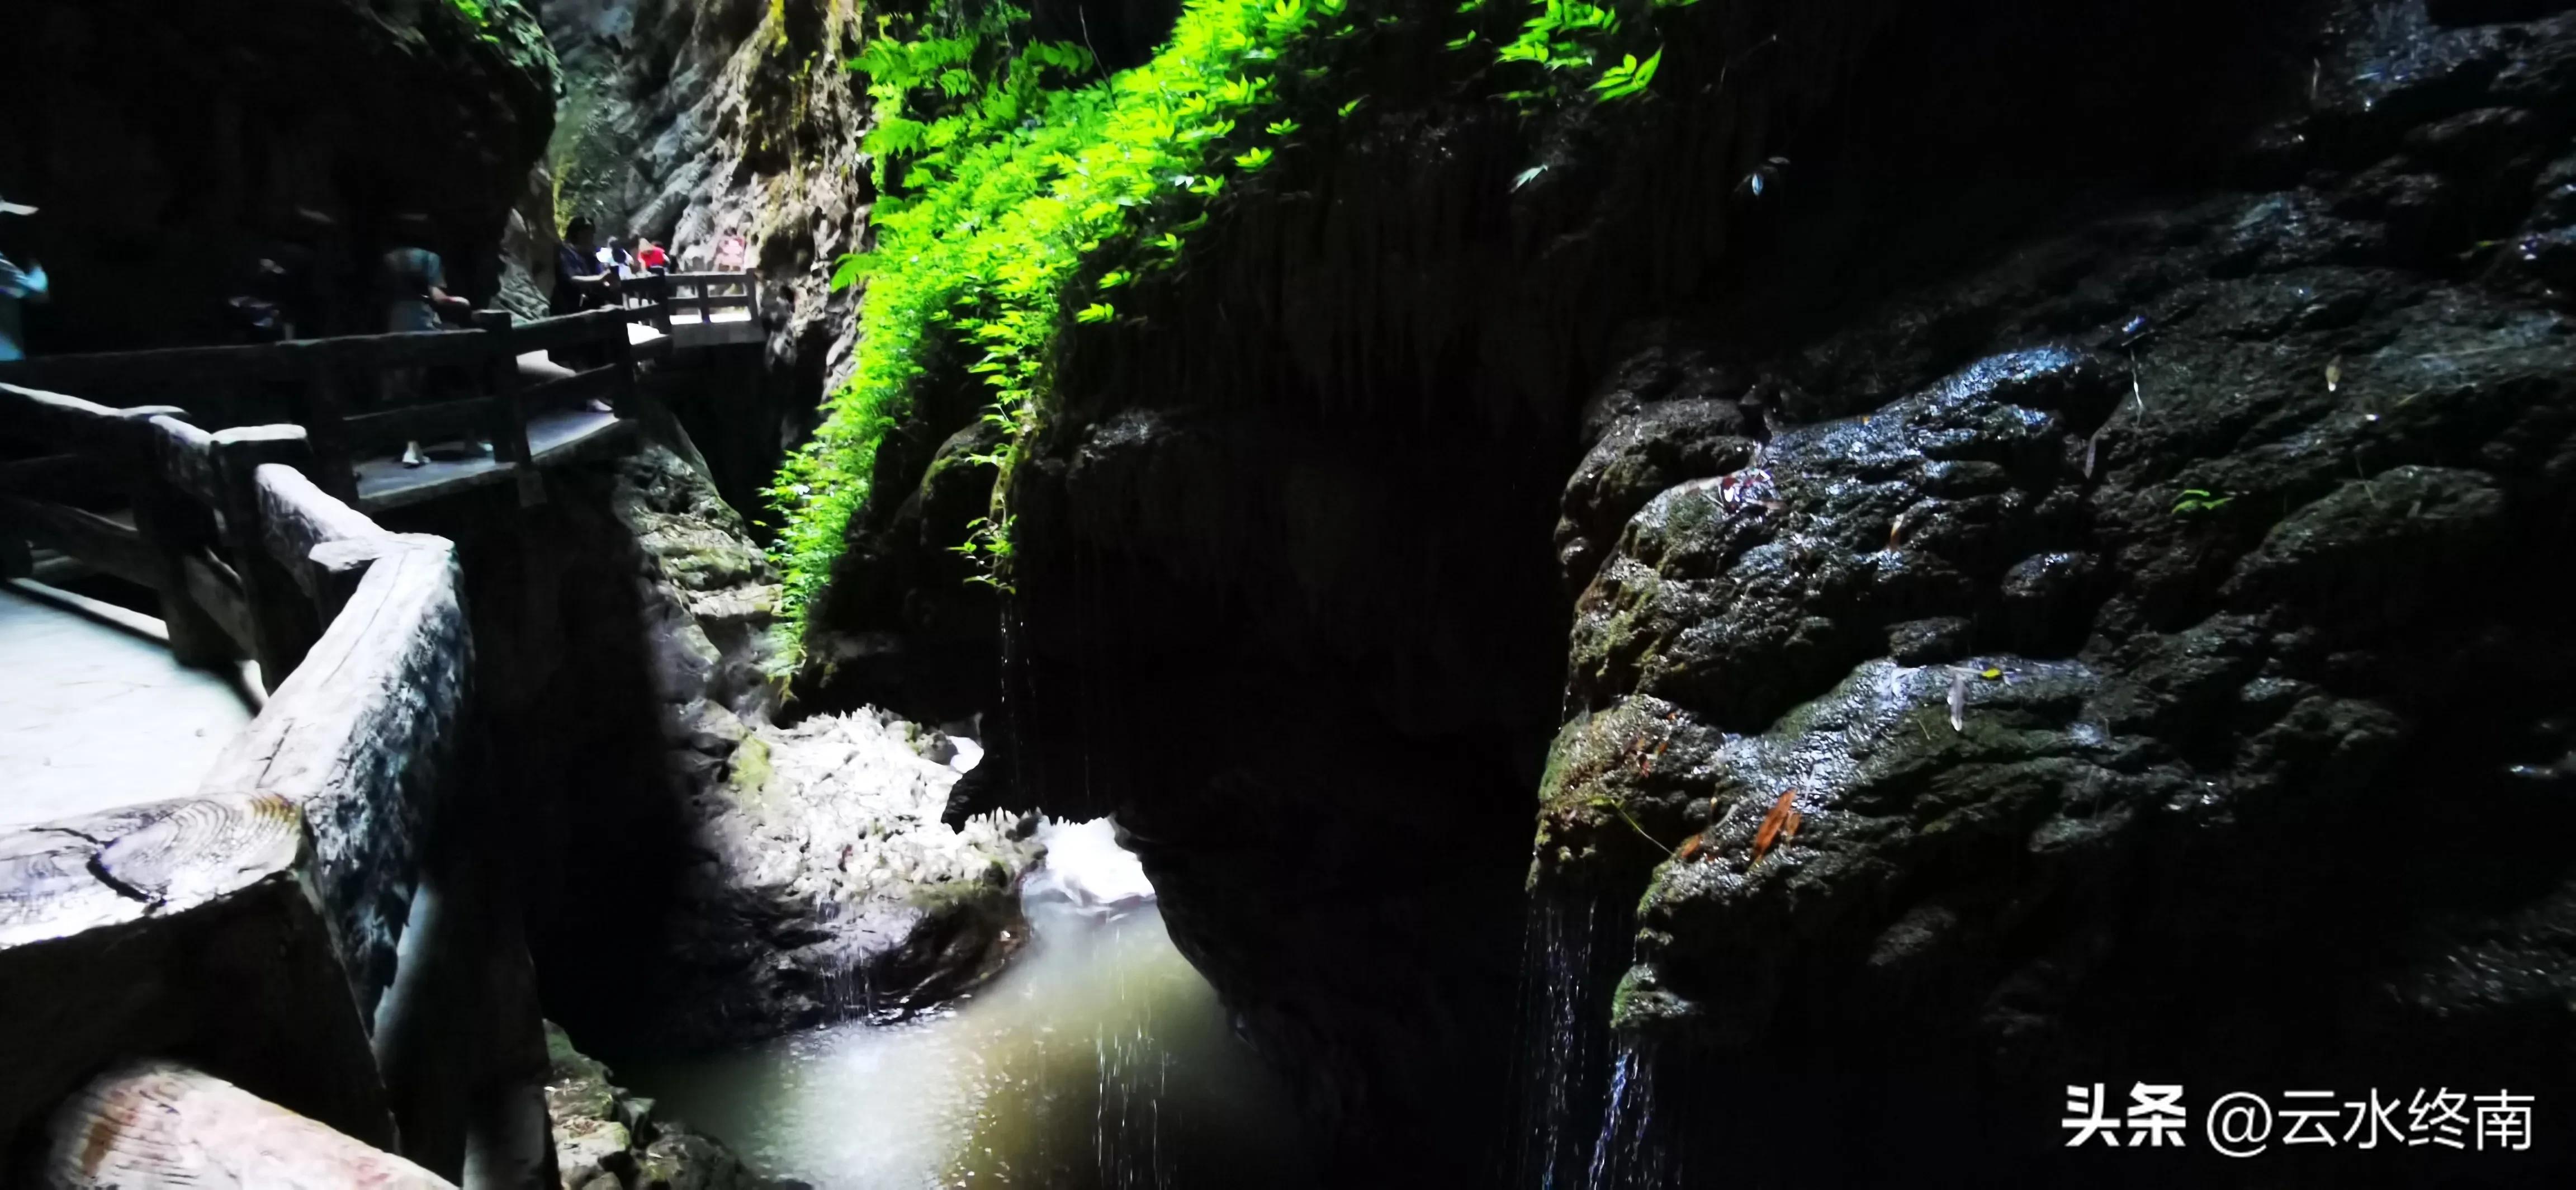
[251, 930]
[195, 536]
[252, 927]
[359, 396]
[697, 309]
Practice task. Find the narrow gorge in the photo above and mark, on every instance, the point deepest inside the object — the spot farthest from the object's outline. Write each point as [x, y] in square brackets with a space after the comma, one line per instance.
[1519, 593]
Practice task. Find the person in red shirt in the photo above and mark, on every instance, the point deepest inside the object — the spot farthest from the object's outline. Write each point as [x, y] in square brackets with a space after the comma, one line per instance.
[652, 257]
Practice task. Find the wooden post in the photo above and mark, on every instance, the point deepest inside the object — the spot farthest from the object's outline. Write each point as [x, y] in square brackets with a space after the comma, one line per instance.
[156, 1123]
[509, 422]
[662, 303]
[622, 352]
[326, 407]
[173, 527]
[282, 623]
[638, 402]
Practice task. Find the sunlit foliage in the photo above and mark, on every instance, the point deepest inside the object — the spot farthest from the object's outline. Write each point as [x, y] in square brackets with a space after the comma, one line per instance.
[1020, 186]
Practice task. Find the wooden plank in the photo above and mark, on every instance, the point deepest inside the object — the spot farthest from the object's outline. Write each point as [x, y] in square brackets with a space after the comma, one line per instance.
[435, 483]
[185, 456]
[62, 878]
[325, 544]
[326, 396]
[508, 422]
[172, 502]
[419, 423]
[173, 526]
[165, 366]
[106, 544]
[296, 516]
[192, 367]
[156, 1122]
[601, 382]
[114, 928]
[567, 330]
[58, 476]
[399, 349]
[338, 567]
[662, 304]
[282, 623]
[69, 423]
[214, 589]
[359, 738]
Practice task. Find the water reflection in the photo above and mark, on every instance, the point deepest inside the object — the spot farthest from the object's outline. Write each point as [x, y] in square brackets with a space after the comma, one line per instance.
[1100, 1059]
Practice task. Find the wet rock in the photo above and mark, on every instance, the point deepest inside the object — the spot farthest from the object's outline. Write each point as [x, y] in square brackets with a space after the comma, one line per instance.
[2060, 686]
[707, 876]
[606, 1139]
[1638, 455]
[903, 622]
[828, 885]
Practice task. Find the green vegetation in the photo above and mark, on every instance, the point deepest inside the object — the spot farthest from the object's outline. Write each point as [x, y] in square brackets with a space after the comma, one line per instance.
[1002, 174]
[1561, 49]
[1019, 188]
[2200, 500]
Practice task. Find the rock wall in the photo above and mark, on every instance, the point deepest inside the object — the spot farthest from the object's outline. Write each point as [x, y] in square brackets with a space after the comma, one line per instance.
[2179, 387]
[606, 1139]
[694, 875]
[172, 149]
[2051, 617]
[690, 120]
[2069, 518]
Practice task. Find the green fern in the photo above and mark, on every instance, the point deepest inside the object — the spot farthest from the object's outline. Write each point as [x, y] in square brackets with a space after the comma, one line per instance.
[2195, 501]
[1003, 165]
[1629, 77]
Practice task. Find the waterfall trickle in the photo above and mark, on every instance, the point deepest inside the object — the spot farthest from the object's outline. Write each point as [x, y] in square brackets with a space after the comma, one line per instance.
[1576, 947]
[1631, 1151]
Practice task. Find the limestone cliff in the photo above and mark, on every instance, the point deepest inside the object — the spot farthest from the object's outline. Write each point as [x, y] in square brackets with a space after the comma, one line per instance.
[696, 874]
[2050, 658]
[1994, 543]
[2176, 392]
[688, 121]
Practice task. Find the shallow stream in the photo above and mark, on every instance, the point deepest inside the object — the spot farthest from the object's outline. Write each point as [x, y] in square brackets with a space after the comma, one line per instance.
[1099, 1059]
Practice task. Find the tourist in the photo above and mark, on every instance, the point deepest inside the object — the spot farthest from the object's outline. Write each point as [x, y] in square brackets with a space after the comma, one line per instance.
[580, 282]
[17, 285]
[614, 256]
[412, 283]
[653, 258]
[257, 316]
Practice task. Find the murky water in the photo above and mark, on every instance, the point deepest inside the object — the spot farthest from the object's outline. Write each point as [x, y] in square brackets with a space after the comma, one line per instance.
[1100, 1059]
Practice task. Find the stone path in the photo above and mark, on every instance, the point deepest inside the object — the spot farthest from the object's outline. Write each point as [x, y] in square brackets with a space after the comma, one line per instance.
[94, 715]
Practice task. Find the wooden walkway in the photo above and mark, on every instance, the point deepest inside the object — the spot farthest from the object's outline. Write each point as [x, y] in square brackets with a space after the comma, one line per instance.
[186, 869]
[383, 481]
[96, 712]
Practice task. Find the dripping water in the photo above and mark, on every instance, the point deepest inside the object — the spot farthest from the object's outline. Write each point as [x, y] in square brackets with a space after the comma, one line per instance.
[1631, 1150]
[1576, 946]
